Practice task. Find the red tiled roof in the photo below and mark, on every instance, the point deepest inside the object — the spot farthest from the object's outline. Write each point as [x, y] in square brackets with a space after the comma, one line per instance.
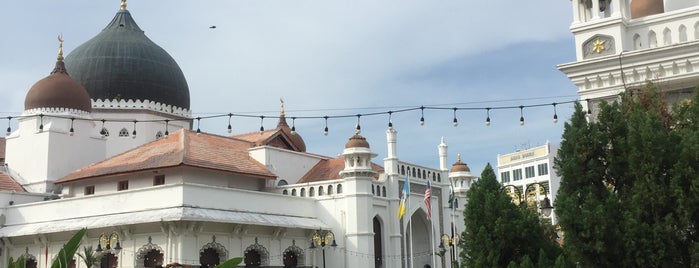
[329, 169]
[2, 148]
[7, 183]
[181, 148]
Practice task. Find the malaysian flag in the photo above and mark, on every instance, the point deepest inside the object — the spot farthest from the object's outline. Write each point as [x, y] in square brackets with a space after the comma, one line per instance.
[428, 196]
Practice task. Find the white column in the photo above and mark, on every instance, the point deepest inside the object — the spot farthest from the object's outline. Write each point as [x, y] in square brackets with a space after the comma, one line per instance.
[595, 9]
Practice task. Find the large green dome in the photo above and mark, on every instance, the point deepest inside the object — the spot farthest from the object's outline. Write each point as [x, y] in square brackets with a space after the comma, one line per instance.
[122, 63]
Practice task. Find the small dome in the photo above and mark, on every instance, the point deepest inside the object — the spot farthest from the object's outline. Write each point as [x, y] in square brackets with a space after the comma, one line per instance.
[121, 62]
[357, 141]
[459, 166]
[58, 90]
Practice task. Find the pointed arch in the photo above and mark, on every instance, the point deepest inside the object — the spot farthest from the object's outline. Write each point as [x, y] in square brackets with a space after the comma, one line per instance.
[378, 241]
[256, 255]
[149, 255]
[293, 256]
[682, 32]
[212, 254]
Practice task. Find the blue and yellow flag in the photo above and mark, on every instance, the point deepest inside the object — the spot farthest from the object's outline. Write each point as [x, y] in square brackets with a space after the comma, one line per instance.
[404, 198]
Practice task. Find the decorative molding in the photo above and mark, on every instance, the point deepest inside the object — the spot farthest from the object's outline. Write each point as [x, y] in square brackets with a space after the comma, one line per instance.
[597, 46]
[141, 104]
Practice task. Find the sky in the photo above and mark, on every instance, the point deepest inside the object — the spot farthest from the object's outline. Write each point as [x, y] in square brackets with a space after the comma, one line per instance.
[336, 58]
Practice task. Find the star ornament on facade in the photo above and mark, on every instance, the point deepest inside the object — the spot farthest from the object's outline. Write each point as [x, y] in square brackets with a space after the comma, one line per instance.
[598, 46]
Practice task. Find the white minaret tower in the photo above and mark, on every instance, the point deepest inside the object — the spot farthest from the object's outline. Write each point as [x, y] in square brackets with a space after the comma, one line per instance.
[621, 45]
[442, 155]
[56, 135]
[358, 176]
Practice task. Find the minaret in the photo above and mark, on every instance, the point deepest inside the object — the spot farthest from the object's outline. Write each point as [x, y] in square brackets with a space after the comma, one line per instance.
[56, 120]
[358, 177]
[442, 155]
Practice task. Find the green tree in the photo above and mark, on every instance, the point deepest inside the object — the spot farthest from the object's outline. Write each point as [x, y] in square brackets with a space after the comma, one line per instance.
[629, 187]
[89, 256]
[498, 232]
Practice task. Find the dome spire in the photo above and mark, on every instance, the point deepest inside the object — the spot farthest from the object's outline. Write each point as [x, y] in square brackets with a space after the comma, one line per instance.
[281, 114]
[60, 48]
[123, 4]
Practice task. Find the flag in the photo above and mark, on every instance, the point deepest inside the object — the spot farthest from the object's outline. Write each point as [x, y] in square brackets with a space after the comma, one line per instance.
[428, 196]
[451, 198]
[404, 198]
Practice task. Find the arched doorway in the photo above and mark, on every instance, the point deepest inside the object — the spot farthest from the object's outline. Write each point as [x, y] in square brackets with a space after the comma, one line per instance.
[256, 255]
[209, 257]
[149, 255]
[419, 239]
[378, 243]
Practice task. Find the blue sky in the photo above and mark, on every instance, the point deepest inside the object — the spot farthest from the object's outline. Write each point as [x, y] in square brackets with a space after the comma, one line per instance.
[336, 58]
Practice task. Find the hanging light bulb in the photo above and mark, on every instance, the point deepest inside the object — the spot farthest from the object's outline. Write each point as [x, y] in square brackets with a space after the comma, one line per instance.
[9, 122]
[230, 129]
[103, 131]
[262, 128]
[133, 135]
[293, 126]
[41, 122]
[555, 114]
[325, 131]
[422, 115]
[456, 122]
[198, 130]
[487, 119]
[71, 131]
[166, 128]
[390, 124]
[358, 128]
[521, 115]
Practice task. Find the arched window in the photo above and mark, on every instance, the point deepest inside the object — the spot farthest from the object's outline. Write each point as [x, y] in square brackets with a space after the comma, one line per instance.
[312, 192]
[423, 175]
[637, 41]
[372, 190]
[124, 133]
[378, 190]
[293, 256]
[667, 37]
[413, 172]
[402, 170]
[419, 175]
[282, 183]
[439, 177]
[320, 191]
[303, 192]
[378, 243]
[339, 188]
[682, 33]
[209, 257]
[153, 258]
[330, 189]
[285, 192]
[30, 263]
[293, 192]
[652, 39]
[256, 255]
[383, 191]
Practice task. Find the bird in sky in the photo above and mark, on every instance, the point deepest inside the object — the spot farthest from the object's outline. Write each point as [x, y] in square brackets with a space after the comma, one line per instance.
[212, 27]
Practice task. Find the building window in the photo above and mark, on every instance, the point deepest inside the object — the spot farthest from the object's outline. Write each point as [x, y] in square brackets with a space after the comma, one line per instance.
[89, 190]
[505, 177]
[330, 189]
[303, 192]
[104, 132]
[339, 188]
[123, 132]
[158, 180]
[517, 174]
[529, 172]
[123, 185]
[312, 192]
[293, 192]
[543, 169]
[320, 191]
[383, 191]
[282, 183]
[285, 192]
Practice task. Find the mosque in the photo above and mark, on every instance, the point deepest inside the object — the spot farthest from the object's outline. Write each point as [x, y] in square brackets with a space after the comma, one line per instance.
[106, 142]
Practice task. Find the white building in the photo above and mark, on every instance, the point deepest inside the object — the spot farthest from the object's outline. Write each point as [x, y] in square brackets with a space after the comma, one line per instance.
[528, 175]
[621, 45]
[104, 143]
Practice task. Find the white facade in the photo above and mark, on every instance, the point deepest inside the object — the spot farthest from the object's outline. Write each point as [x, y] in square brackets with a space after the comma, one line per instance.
[530, 171]
[616, 53]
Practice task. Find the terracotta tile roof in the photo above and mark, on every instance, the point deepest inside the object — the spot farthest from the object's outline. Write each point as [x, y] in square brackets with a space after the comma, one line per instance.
[281, 137]
[181, 148]
[329, 169]
[7, 183]
[2, 148]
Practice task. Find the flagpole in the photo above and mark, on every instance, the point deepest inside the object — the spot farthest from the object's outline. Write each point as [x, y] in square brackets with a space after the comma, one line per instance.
[434, 260]
[409, 247]
[410, 250]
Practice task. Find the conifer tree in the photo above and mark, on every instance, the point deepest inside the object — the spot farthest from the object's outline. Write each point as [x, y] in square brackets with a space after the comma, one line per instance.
[630, 184]
[499, 233]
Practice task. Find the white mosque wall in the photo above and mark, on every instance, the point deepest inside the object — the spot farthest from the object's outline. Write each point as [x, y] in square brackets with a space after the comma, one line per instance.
[288, 165]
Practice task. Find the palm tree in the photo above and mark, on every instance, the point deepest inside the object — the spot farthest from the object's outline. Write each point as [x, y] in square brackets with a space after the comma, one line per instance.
[89, 256]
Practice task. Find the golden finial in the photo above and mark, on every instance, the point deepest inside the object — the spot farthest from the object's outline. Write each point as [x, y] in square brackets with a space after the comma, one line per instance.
[60, 48]
[458, 157]
[123, 4]
[282, 109]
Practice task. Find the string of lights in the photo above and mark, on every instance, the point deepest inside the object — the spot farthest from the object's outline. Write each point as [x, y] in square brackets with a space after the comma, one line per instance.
[326, 118]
